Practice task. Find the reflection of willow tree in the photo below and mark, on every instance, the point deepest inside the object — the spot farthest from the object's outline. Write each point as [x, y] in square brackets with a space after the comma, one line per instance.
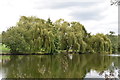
[55, 66]
[117, 62]
[28, 67]
[118, 43]
[79, 66]
[34, 35]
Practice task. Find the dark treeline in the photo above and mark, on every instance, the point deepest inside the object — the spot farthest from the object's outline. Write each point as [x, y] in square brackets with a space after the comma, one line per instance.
[34, 35]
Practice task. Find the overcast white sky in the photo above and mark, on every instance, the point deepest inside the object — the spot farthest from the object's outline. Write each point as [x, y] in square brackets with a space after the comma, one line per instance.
[98, 16]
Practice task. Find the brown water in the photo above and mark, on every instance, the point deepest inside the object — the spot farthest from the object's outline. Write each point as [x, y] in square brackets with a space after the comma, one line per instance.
[61, 66]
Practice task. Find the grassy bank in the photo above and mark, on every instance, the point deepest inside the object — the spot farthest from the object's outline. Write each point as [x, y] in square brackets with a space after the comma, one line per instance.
[4, 49]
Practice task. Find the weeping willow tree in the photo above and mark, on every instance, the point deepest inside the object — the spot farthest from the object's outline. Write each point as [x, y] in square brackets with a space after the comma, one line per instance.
[30, 35]
[34, 35]
[100, 43]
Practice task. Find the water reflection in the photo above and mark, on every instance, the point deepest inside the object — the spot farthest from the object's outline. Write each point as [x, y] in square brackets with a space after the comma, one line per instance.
[60, 66]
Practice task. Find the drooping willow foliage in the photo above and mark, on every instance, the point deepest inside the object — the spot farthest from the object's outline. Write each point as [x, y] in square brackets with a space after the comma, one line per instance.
[115, 39]
[34, 35]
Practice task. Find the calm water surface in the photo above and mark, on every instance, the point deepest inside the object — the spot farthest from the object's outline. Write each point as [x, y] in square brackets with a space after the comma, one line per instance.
[61, 66]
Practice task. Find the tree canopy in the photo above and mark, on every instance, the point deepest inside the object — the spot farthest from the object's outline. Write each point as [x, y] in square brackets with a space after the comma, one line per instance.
[115, 40]
[34, 35]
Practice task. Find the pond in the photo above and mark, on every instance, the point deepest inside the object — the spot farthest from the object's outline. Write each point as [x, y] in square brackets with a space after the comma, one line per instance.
[61, 66]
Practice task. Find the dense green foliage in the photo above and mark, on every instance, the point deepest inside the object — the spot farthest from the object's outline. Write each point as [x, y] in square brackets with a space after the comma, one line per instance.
[100, 43]
[4, 49]
[115, 40]
[34, 35]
